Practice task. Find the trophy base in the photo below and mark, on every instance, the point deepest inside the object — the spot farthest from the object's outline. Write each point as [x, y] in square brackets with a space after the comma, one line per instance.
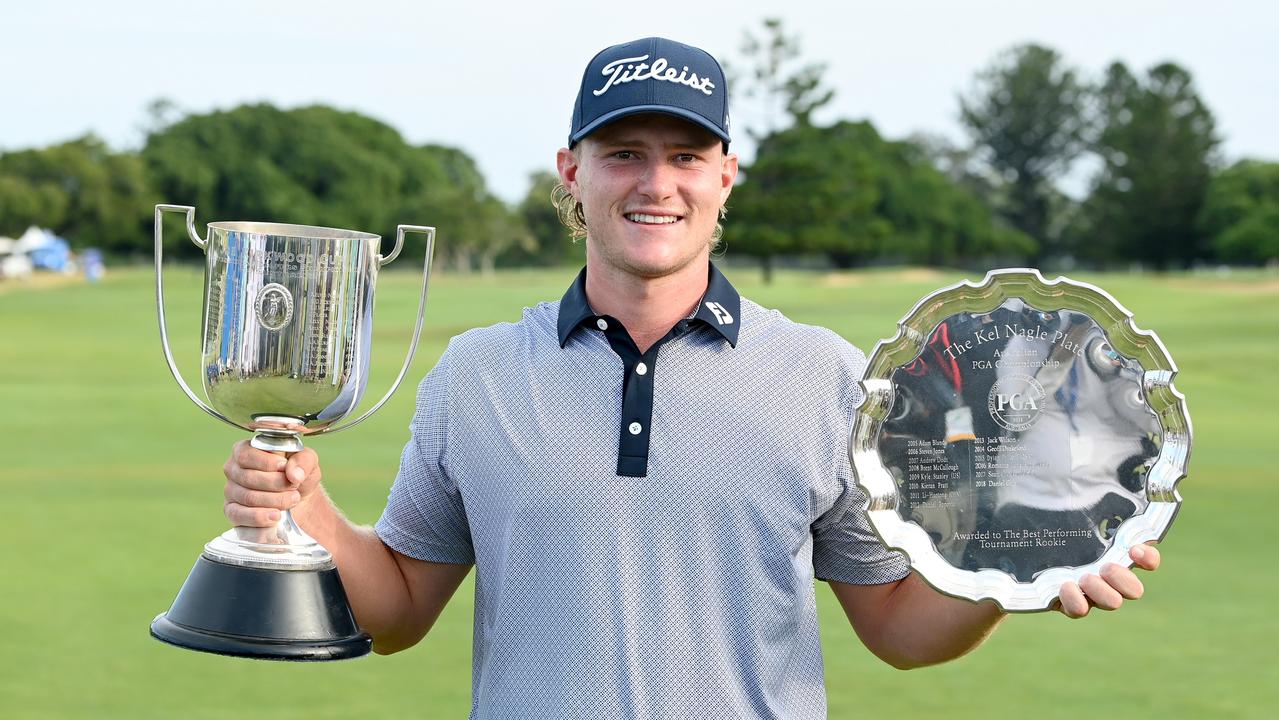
[261, 613]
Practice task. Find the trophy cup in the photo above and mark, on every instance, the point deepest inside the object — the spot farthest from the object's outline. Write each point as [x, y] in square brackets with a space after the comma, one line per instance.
[1018, 434]
[287, 324]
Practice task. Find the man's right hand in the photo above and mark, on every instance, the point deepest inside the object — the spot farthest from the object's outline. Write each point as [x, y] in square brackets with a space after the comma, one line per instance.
[260, 484]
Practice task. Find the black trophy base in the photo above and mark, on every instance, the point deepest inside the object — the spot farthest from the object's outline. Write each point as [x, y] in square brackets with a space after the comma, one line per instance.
[300, 615]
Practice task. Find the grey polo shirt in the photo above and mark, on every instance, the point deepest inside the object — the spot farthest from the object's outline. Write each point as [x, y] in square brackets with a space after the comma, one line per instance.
[646, 538]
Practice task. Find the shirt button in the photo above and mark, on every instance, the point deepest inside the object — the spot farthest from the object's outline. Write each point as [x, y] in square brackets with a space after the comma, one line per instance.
[636, 428]
[641, 369]
[602, 324]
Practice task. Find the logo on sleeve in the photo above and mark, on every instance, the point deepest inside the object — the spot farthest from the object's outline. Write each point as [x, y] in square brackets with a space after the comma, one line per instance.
[722, 316]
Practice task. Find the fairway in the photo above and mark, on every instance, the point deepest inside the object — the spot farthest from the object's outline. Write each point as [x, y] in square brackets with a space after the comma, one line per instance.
[111, 483]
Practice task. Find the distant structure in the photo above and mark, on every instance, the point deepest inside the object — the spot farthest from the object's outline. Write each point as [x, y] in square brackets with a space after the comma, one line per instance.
[38, 250]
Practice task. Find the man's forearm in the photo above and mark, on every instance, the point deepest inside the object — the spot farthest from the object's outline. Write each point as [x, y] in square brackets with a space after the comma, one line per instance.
[933, 627]
[372, 578]
[910, 625]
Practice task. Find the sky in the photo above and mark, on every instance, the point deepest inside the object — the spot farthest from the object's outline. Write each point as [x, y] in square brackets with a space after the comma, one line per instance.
[498, 81]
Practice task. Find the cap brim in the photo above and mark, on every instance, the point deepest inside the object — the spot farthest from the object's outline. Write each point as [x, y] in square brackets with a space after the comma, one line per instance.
[616, 115]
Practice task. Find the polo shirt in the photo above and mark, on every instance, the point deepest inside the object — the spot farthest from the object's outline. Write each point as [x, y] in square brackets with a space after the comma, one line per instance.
[645, 541]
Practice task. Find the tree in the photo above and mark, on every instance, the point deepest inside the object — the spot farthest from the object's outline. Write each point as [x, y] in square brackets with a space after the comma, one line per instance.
[478, 227]
[1156, 140]
[161, 112]
[78, 189]
[1027, 113]
[550, 242]
[845, 192]
[320, 166]
[961, 164]
[1240, 214]
[774, 81]
[24, 203]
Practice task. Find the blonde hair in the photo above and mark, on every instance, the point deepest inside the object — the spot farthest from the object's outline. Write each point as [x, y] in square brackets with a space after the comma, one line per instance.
[573, 218]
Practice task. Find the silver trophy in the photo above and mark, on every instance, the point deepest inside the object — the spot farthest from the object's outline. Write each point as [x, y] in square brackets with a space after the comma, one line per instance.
[287, 328]
[1018, 434]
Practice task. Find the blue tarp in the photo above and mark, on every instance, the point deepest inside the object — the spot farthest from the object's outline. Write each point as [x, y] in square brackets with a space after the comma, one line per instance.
[53, 255]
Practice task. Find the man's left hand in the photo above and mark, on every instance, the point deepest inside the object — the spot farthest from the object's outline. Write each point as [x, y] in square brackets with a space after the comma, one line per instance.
[1109, 589]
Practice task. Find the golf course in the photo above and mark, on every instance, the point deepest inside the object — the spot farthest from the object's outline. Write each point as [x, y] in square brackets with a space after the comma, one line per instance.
[111, 482]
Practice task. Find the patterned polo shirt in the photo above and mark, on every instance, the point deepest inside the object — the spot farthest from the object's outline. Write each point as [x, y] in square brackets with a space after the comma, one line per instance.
[646, 527]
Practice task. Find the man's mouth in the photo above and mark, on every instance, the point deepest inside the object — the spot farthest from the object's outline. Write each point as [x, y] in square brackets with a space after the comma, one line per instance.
[645, 219]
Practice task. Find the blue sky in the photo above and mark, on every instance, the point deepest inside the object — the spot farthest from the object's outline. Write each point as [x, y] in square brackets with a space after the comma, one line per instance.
[498, 80]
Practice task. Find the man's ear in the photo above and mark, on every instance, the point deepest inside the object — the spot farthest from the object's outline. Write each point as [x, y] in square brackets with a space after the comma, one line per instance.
[728, 176]
[567, 166]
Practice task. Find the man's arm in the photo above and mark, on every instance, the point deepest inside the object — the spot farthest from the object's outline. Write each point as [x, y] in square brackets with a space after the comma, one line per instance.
[909, 625]
[395, 598]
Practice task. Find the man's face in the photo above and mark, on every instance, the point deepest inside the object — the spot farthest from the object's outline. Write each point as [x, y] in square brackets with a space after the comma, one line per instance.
[651, 187]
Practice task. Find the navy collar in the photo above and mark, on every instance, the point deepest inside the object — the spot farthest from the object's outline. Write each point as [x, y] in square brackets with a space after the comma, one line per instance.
[719, 309]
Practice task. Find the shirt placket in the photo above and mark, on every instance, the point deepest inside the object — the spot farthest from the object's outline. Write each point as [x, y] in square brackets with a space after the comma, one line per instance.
[639, 369]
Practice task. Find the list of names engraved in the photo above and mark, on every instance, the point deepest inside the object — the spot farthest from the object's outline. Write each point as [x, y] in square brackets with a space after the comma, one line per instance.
[928, 470]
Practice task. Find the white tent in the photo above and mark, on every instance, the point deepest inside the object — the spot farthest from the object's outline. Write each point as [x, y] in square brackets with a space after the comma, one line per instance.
[33, 239]
[15, 266]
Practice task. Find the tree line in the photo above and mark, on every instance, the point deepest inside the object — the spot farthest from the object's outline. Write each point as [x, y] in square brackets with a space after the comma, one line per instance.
[1159, 195]
[310, 166]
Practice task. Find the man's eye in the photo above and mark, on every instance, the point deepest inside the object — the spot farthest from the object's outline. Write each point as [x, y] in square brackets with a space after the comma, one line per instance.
[686, 157]
[623, 154]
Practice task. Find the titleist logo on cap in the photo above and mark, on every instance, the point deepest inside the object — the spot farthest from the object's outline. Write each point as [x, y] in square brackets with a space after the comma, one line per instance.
[622, 71]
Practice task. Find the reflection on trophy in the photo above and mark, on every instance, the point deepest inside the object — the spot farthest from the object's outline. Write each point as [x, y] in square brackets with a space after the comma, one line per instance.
[287, 325]
[1018, 434]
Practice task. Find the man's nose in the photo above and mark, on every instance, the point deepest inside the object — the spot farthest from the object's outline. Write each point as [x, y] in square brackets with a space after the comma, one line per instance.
[658, 181]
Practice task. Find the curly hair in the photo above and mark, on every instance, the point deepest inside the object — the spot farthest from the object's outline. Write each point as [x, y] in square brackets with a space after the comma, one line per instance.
[571, 215]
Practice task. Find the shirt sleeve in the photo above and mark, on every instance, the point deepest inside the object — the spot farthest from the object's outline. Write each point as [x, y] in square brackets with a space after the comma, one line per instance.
[845, 546]
[425, 517]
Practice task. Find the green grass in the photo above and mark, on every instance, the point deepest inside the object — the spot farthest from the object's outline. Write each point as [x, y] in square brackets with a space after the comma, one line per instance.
[110, 483]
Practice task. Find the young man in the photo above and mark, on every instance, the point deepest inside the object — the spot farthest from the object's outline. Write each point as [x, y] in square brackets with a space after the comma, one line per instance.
[649, 474]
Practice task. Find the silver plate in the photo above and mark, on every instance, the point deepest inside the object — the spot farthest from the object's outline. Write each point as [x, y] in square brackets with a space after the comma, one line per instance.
[1018, 434]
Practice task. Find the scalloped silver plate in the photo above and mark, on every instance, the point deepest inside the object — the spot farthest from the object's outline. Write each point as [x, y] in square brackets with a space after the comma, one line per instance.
[895, 501]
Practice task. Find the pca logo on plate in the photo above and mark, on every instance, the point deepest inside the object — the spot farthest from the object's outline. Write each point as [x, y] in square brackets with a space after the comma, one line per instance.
[1015, 401]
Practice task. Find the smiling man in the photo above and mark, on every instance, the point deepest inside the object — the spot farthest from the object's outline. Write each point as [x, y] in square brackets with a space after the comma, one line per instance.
[649, 474]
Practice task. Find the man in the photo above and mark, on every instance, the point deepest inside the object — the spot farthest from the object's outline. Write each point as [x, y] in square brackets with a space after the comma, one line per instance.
[649, 474]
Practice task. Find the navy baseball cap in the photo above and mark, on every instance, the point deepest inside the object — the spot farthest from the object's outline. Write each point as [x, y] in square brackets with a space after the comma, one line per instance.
[653, 75]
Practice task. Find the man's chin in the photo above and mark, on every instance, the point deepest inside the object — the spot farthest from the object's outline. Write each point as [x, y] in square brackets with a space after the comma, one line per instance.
[645, 258]
[654, 268]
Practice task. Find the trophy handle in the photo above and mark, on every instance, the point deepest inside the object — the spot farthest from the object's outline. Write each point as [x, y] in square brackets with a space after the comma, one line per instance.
[384, 260]
[159, 301]
[400, 231]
